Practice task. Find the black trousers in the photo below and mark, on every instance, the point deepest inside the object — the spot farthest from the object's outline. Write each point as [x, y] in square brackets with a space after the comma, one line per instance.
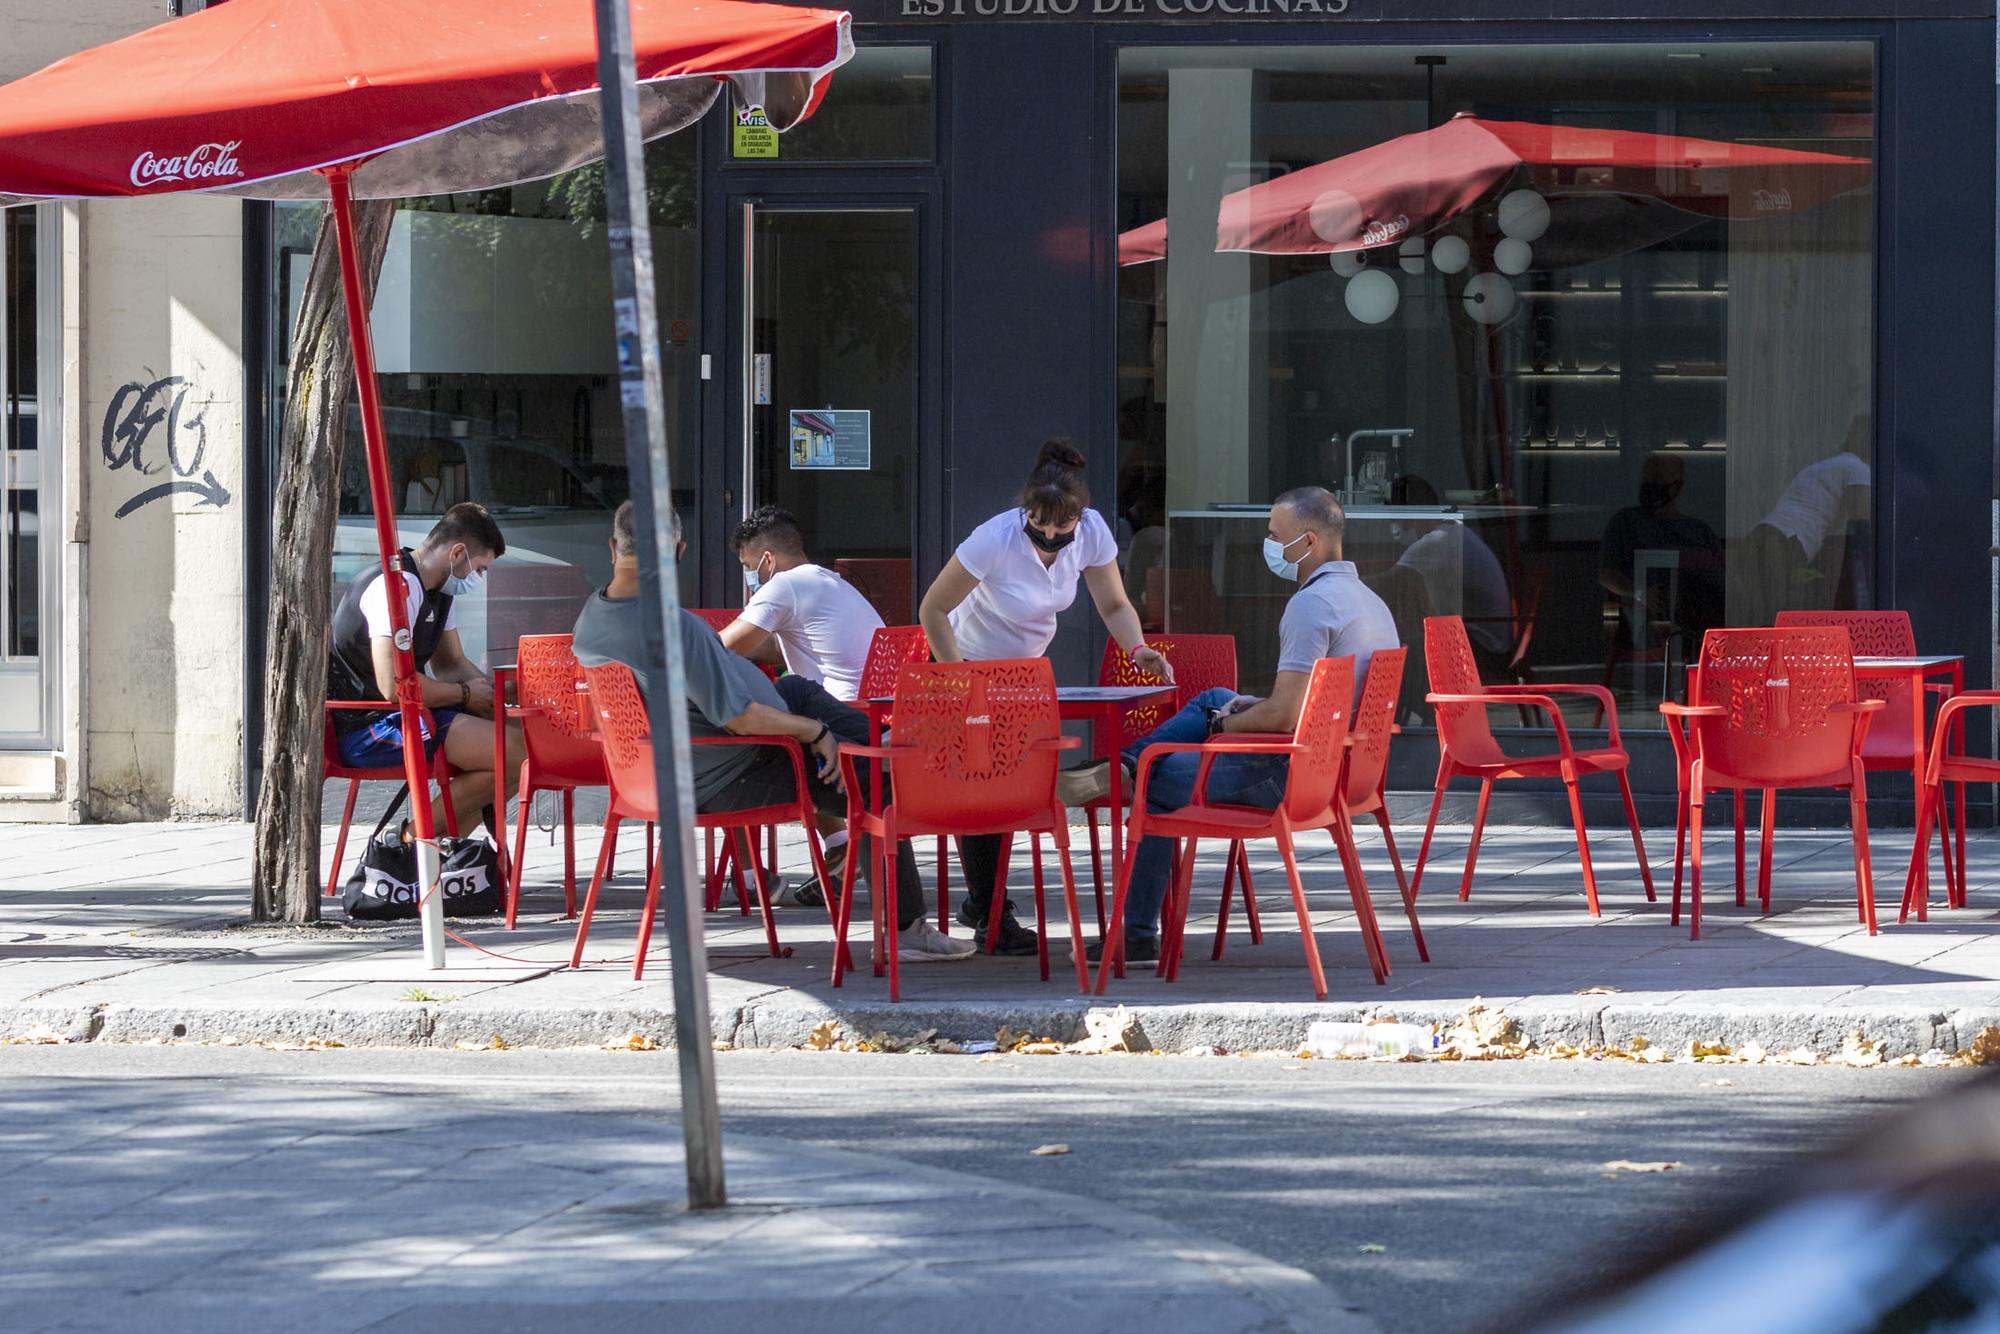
[768, 782]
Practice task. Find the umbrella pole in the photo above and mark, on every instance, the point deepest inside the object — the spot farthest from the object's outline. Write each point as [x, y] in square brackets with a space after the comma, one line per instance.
[409, 688]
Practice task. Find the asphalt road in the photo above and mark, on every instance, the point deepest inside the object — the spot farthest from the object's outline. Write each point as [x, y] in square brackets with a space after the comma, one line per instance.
[1483, 1185]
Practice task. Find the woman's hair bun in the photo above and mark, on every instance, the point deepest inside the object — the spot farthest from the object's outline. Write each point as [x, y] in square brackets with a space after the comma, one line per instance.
[1059, 451]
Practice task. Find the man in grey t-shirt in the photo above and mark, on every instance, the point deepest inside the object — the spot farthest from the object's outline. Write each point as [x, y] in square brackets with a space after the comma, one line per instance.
[730, 696]
[1333, 615]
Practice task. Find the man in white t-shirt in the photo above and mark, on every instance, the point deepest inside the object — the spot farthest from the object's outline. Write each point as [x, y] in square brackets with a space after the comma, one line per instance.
[816, 622]
[361, 663]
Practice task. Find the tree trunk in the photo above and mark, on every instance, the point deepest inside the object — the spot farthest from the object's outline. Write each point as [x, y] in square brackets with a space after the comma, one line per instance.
[285, 876]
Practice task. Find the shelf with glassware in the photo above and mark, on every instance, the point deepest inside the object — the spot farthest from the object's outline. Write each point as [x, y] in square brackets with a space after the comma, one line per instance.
[1634, 340]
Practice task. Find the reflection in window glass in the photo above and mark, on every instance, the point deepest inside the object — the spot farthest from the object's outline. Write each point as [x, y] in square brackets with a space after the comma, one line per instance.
[20, 472]
[1592, 398]
[493, 343]
[877, 109]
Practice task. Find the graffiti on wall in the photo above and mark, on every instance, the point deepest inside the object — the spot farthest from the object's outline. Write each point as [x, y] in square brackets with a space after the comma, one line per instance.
[154, 430]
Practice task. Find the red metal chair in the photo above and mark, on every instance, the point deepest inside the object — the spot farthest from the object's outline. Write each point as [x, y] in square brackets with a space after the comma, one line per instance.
[1892, 740]
[1312, 800]
[560, 750]
[888, 650]
[1948, 763]
[628, 761]
[720, 868]
[1466, 746]
[1200, 662]
[974, 752]
[333, 769]
[1773, 708]
[1363, 779]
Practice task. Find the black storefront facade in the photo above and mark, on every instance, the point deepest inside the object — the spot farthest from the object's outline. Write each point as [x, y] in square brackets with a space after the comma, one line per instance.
[1618, 403]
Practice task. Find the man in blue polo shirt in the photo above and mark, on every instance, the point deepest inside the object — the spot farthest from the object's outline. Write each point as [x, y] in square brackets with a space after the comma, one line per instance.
[1333, 615]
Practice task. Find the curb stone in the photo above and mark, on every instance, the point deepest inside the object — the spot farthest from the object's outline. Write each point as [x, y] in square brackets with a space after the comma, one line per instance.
[787, 1021]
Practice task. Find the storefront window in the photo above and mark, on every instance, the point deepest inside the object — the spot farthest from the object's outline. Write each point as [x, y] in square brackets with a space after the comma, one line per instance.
[878, 108]
[1593, 387]
[493, 340]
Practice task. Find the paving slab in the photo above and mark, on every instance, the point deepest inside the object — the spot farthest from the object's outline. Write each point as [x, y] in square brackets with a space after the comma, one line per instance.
[136, 933]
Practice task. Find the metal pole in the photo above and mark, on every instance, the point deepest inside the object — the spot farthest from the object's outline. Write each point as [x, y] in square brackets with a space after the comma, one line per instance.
[639, 390]
[409, 691]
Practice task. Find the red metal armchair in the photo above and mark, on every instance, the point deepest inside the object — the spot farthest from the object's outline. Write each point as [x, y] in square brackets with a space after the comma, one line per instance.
[1773, 708]
[628, 762]
[1200, 662]
[560, 751]
[1313, 799]
[974, 753]
[333, 769]
[1948, 763]
[1466, 746]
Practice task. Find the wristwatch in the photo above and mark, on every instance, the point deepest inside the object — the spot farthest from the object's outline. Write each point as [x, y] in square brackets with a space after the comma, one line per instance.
[1215, 720]
[464, 694]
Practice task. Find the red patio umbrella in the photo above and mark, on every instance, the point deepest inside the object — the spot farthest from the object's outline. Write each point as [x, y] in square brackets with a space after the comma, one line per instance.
[380, 99]
[1415, 184]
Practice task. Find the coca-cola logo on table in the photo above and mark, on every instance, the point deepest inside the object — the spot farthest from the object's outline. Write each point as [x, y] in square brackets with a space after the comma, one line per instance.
[210, 162]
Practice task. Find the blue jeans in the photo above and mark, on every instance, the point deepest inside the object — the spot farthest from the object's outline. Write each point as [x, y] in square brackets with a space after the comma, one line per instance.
[1233, 780]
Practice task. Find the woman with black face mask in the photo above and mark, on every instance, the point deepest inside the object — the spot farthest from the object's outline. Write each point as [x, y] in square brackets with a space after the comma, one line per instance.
[999, 596]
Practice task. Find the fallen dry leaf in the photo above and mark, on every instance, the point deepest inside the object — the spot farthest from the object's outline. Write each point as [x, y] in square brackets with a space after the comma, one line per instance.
[1859, 1051]
[1626, 1165]
[1049, 1151]
[1752, 1053]
[824, 1035]
[1110, 1030]
[1724, 1083]
[1799, 1056]
[1484, 1035]
[1371, 1248]
[1598, 991]
[634, 1041]
[1985, 1048]
[1705, 1051]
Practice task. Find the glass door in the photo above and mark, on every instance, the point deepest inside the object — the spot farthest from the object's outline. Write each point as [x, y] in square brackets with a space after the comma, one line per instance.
[27, 482]
[828, 345]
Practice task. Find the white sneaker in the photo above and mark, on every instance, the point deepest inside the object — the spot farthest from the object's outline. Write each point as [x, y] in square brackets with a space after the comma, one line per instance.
[1080, 787]
[920, 942]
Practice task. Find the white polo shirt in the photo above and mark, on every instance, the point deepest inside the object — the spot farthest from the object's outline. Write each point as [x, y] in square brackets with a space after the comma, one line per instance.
[1012, 614]
[821, 622]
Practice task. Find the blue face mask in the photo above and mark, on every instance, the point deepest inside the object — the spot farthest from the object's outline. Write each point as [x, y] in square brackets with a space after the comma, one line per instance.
[753, 577]
[1274, 556]
[462, 585]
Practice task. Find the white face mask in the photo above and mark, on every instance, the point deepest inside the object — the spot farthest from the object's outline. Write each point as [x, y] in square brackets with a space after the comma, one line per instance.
[462, 585]
[1274, 556]
[753, 577]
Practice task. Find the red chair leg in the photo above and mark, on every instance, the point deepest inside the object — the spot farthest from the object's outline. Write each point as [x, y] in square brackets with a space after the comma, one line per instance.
[1694, 865]
[1638, 839]
[877, 907]
[1107, 962]
[569, 852]
[1249, 894]
[1765, 832]
[521, 805]
[1680, 850]
[1222, 909]
[1916, 886]
[1472, 848]
[1096, 864]
[340, 839]
[596, 883]
[1286, 850]
[1739, 847]
[1364, 905]
[1430, 826]
[1403, 884]
[1041, 909]
[884, 890]
[646, 920]
[1582, 844]
[1864, 870]
[1061, 836]
[850, 867]
[1173, 916]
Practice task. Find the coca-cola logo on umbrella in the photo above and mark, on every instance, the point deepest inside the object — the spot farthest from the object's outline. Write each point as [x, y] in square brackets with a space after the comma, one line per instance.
[210, 162]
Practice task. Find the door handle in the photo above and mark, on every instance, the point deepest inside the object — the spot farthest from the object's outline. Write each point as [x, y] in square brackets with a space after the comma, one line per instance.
[728, 497]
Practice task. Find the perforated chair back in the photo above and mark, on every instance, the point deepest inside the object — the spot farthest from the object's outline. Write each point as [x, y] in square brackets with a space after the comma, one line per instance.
[1312, 781]
[557, 735]
[1462, 728]
[1777, 687]
[892, 647]
[1881, 634]
[976, 725]
[1373, 724]
[1200, 662]
[627, 737]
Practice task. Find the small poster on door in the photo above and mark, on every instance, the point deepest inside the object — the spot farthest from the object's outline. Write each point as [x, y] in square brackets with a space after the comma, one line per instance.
[830, 440]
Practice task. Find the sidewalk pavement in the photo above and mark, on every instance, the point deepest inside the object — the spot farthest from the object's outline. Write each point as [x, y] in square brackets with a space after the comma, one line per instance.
[136, 933]
[170, 1205]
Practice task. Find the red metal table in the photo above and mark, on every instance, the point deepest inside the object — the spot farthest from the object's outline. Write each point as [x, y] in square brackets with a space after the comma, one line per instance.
[1917, 669]
[1104, 708]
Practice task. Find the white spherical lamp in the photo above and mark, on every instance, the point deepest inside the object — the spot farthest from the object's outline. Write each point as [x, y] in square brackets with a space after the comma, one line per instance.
[1451, 254]
[1489, 298]
[1336, 217]
[1372, 296]
[1524, 215]
[1512, 255]
[1410, 255]
[1347, 263]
